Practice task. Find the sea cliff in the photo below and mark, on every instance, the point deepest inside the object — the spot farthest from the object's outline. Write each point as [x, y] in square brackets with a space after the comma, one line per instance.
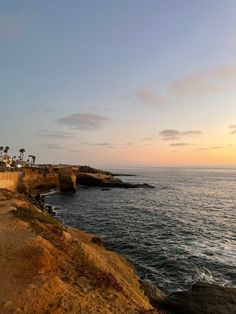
[46, 267]
[66, 178]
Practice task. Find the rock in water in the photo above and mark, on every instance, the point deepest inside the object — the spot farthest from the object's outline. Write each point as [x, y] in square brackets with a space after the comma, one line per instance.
[67, 180]
[203, 298]
[155, 295]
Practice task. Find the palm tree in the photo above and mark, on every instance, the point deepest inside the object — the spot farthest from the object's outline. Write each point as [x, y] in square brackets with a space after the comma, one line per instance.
[6, 149]
[33, 159]
[1, 149]
[22, 151]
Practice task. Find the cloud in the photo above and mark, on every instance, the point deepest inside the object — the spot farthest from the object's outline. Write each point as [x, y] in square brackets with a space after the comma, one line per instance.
[217, 147]
[172, 134]
[209, 148]
[85, 121]
[54, 146]
[104, 144]
[179, 144]
[128, 143]
[97, 144]
[169, 133]
[56, 134]
[202, 83]
[145, 97]
[191, 132]
[233, 128]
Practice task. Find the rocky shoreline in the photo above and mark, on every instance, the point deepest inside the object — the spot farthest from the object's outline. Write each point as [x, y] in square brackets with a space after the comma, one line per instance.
[68, 178]
[86, 271]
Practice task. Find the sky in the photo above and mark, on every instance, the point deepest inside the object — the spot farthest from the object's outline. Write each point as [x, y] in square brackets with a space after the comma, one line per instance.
[119, 83]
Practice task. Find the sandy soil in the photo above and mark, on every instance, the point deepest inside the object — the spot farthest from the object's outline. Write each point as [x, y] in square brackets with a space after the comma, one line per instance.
[46, 268]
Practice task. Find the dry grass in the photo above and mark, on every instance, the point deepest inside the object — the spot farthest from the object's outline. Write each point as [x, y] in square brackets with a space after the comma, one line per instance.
[98, 279]
[31, 214]
[44, 225]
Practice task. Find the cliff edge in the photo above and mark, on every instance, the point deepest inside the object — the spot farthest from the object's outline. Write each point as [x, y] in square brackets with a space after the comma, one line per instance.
[48, 268]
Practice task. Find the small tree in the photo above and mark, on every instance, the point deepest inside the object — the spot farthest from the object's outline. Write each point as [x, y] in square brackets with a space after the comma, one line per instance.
[33, 159]
[1, 149]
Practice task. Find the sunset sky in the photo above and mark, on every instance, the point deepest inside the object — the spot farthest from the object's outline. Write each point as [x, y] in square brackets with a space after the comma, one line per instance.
[119, 83]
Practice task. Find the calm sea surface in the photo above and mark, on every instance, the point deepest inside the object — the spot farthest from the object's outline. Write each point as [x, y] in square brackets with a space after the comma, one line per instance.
[181, 232]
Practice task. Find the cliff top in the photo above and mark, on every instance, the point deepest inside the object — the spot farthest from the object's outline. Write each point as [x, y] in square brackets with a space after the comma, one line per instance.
[48, 268]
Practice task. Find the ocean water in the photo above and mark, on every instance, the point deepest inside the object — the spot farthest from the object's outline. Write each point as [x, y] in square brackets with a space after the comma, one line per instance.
[181, 232]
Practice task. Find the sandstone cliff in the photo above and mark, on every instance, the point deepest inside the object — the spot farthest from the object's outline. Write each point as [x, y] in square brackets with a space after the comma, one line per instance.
[66, 178]
[48, 268]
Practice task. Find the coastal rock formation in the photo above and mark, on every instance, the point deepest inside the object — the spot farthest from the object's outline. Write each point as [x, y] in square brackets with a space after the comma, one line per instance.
[67, 180]
[44, 178]
[104, 179]
[155, 295]
[48, 268]
[202, 298]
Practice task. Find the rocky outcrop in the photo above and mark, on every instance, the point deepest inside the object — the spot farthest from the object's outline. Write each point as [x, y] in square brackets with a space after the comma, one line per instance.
[67, 180]
[98, 179]
[43, 178]
[47, 178]
[155, 295]
[88, 169]
[203, 298]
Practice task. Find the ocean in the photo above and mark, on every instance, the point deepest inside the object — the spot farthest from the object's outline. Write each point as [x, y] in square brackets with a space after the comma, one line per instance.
[181, 232]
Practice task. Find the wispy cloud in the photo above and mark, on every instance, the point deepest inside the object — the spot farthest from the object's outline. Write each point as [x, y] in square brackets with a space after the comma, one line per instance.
[204, 82]
[97, 144]
[146, 97]
[54, 146]
[56, 134]
[85, 121]
[191, 132]
[172, 134]
[102, 144]
[209, 148]
[232, 128]
[179, 144]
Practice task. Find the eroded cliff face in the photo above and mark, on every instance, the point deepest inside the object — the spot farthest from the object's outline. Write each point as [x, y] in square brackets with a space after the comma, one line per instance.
[46, 178]
[48, 268]
[38, 178]
[66, 178]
